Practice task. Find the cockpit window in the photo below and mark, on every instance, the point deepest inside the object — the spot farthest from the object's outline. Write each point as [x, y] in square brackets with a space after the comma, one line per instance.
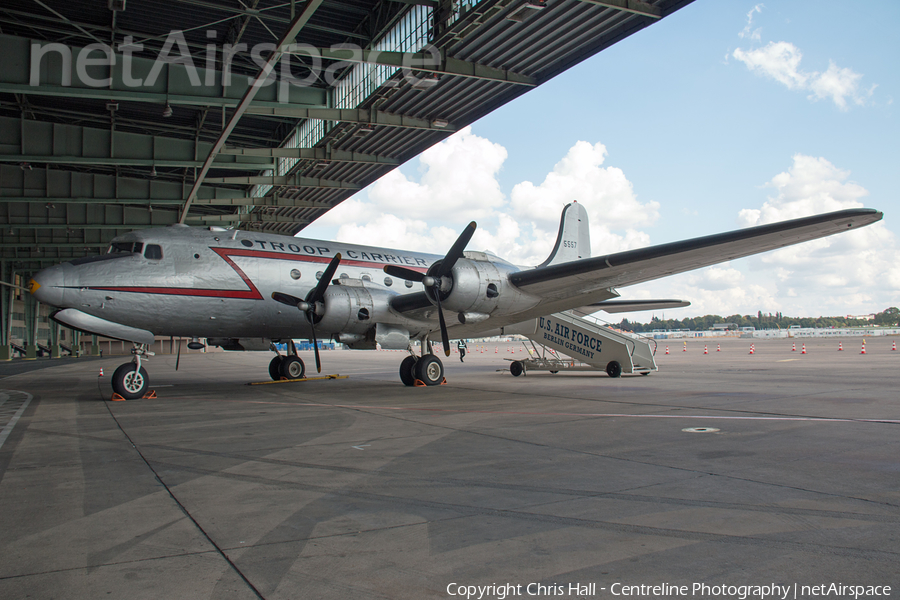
[118, 247]
[153, 252]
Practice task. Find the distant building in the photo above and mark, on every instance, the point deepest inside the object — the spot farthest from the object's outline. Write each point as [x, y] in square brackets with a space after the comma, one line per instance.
[862, 317]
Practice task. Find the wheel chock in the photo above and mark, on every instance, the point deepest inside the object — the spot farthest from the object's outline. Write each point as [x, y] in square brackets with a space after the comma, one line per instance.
[116, 398]
[149, 395]
[420, 383]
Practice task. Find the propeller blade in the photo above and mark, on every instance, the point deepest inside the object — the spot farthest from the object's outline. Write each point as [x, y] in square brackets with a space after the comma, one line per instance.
[444, 337]
[404, 273]
[456, 251]
[319, 293]
[178, 357]
[312, 326]
[286, 299]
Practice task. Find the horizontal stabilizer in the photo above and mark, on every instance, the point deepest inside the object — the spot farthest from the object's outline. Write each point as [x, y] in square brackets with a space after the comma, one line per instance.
[619, 306]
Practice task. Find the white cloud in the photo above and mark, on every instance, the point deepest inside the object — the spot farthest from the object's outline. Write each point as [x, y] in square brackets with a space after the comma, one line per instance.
[778, 60]
[848, 273]
[755, 34]
[459, 183]
[781, 62]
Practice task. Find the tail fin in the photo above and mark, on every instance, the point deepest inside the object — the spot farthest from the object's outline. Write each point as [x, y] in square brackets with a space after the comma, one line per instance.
[574, 239]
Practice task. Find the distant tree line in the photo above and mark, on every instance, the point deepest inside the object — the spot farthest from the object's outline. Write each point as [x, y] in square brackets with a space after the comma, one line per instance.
[890, 317]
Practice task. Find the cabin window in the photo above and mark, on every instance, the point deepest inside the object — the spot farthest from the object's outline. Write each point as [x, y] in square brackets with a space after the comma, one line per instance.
[153, 252]
[366, 278]
[319, 275]
[408, 283]
[388, 281]
[138, 247]
[295, 274]
[117, 247]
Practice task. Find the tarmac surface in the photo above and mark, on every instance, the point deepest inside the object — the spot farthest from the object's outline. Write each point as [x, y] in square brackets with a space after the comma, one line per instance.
[726, 469]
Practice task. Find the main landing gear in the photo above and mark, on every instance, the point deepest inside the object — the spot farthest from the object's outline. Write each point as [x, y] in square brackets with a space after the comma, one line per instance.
[286, 367]
[427, 369]
[130, 380]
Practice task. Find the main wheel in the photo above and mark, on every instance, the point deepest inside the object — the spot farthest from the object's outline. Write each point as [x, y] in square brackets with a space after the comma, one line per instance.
[613, 369]
[429, 370]
[292, 367]
[516, 368]
[128, 383]
[275, 368]
[407, 370]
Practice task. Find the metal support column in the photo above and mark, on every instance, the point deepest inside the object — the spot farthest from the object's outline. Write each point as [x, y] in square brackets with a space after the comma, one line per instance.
[95, 346]
[31, 314]
[6, 303]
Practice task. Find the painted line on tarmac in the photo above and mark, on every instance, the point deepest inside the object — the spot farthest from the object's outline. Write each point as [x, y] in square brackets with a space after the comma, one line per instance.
[12, 398]
[565, 414]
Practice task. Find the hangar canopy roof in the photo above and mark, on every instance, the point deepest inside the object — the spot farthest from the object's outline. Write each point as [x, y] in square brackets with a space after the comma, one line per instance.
[113, 113]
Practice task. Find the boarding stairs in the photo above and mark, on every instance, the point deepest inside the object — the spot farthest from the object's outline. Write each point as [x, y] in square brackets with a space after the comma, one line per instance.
[587, 339]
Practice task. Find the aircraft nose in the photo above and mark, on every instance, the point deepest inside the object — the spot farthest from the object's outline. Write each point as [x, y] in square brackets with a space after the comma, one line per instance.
[48, 286]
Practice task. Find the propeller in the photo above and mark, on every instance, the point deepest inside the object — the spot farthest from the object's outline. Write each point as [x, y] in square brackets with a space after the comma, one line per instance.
[433, 279]
[310, 305]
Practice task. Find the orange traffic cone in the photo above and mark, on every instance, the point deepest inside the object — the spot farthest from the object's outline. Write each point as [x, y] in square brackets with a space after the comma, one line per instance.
[101, 373]
[863, 351]
[794, 347]
[684, 348]
[667, 349]
[718, 347]
[840, 346]
[705, 351]
[751, 348]
[894, 346]
[803, 351]
[496, 349]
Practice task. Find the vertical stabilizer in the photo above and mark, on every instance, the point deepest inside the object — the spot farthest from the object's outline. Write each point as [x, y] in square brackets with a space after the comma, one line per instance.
[574, 239]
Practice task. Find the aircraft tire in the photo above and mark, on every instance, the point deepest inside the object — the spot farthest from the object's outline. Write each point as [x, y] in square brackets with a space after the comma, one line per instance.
[407, 370]
[613, 369]
[430, 370]
[128, 384]
[292, 367]
[275, 368]
[516, 368]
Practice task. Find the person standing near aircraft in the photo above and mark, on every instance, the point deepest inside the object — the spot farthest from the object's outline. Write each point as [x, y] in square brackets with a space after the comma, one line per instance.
[461, 346]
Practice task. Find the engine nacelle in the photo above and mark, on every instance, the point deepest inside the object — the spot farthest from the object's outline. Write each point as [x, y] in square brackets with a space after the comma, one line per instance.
[351, 308]
[481, 286]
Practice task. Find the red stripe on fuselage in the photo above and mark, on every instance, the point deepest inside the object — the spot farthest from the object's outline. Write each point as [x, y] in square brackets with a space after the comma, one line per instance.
[252, 293]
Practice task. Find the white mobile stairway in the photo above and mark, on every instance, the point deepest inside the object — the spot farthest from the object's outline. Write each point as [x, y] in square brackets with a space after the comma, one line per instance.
[577, 334]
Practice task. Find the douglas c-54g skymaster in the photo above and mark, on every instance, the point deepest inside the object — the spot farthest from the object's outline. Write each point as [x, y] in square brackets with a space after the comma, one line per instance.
[242, 290]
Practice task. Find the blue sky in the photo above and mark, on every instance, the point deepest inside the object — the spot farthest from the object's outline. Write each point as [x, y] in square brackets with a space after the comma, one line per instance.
[721, 116]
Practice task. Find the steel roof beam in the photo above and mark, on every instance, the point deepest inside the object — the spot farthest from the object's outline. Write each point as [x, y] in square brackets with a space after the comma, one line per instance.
[361, 116]
[286, 180]
[321, 154]
[252, 90]
[632, 6]
[56, 185]
[263, 201]
[441, 64]
[264, 15]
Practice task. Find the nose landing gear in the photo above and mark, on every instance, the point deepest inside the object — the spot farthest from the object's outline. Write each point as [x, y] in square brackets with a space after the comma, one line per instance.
[130, 380]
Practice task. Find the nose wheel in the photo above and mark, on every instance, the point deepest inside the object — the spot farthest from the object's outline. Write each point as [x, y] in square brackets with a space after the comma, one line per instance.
[130, 381]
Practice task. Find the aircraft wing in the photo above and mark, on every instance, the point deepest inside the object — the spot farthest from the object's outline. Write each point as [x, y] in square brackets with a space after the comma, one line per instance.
[582, 277]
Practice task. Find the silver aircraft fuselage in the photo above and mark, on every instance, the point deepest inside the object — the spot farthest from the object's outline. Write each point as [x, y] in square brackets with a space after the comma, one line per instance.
[212, 283]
